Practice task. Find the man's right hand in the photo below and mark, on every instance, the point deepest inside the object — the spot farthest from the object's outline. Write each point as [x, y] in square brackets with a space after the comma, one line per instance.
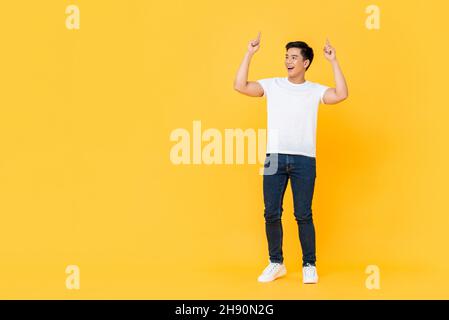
[254, 45]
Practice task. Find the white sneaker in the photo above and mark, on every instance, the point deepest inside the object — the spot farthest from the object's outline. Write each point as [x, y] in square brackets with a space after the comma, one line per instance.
[309, 274]
[272, 271]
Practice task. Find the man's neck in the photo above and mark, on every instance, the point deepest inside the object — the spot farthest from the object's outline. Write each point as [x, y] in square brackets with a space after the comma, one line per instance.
[298, 79]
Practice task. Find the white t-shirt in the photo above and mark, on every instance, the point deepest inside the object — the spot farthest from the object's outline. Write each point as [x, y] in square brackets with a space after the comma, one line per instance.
[292, 111]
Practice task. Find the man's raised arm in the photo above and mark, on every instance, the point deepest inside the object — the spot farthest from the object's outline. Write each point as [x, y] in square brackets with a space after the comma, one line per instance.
[241, 83]
[340, 92]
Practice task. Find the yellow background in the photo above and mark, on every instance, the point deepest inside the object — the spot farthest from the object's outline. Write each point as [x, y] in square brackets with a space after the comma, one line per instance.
[86, 178]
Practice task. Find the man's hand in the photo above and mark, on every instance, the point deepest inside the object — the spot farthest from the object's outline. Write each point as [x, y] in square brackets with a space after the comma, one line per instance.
[329, 51]
[254, 45]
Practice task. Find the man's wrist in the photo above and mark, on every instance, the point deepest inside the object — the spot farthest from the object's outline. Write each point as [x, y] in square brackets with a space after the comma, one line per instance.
[334, 61]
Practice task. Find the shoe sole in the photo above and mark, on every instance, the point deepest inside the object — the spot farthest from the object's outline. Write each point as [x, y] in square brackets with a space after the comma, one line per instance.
[311, 282]
[280, 274]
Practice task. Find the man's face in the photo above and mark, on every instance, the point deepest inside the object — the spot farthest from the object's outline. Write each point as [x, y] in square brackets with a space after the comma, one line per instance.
[294, 62]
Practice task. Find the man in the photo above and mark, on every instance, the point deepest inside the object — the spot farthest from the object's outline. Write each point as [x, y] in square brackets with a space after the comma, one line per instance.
[292, 108]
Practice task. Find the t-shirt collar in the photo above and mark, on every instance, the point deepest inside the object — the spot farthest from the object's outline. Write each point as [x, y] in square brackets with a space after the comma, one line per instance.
[296, 84]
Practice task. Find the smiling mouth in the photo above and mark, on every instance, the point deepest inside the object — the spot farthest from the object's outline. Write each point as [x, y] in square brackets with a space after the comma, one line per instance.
[290, 68]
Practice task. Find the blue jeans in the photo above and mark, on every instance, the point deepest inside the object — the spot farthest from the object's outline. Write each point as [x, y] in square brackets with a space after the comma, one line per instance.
[301, 170]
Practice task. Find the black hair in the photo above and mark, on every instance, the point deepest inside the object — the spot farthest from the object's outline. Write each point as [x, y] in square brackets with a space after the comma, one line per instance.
[306, 51]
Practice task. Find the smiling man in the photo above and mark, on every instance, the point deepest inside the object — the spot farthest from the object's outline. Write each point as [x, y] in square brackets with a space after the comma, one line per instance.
[292, 109]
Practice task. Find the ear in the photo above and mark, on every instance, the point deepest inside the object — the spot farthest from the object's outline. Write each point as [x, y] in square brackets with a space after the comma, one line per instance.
[306, 63]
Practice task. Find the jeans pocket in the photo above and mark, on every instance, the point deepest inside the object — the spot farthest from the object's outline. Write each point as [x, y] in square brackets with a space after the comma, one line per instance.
[266, 164]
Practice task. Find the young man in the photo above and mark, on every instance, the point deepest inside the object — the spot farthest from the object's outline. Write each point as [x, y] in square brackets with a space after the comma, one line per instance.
[292, 108]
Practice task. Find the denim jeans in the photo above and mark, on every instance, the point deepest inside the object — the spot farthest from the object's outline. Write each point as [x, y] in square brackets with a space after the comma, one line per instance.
[301, 170]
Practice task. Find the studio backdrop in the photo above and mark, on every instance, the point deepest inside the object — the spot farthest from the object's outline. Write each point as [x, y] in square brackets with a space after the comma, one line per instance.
[130, 167]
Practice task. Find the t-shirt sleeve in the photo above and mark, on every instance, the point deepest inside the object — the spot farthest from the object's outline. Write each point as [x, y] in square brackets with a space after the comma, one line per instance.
[265, 83]
[321, 90]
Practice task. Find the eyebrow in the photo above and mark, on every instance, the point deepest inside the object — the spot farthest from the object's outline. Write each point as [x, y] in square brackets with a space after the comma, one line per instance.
[294, 55]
